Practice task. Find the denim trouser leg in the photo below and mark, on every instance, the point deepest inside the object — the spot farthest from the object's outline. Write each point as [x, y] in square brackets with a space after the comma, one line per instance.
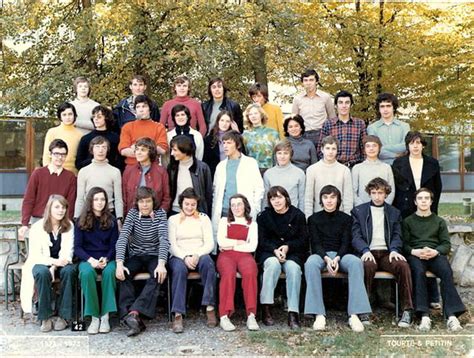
[271, 273]
[293, 285]
[314, 303]
[207, 270]
[358, 299]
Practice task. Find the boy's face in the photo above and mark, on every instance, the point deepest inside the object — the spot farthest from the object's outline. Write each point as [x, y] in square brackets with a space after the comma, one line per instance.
[99, 151]
[258, 98]
[143, 110]
[67, 117]
[309, 83]
[145, 206]
[371, 150]
[415, 147]
[386, 110]
[217, 90]
[58, 157]
[82, 89]
[344, 106]
[378, 196]
[329, 202]
[182, 89]
[329, 152]
[423, 201]
[137, 87]
[230, 148]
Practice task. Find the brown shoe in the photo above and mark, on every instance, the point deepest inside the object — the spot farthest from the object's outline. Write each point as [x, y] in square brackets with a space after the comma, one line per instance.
[211, 319]
[293, 320]
[178, 324]
[267, 318]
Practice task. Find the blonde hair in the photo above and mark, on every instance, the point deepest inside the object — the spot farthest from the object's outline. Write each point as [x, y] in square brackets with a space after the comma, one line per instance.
[64, 224]
[263, 115]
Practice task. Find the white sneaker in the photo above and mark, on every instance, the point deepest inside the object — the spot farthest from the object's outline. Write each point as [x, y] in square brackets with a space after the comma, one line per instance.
[355, 323]
[453, 324]
[104, 324]
[226, 324]
[425, 324]
[252, 324]
[94, 326]
[319, 323]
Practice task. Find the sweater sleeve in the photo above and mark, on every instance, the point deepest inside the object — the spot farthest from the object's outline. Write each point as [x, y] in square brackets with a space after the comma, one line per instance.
[200, 119]
[166, 201]
[443, 234]
[71, 195]
[161, 139]
[331, 112]
[82, 157]
[122, 241]
[199, 146]
[47, 141]
[309, 193]
[301, 189]
[355, 184]
[222, 239]
[208, 238]
[347, 195]
[266, 187]
[81, 193]
[126, 140]
[406, 237]
[391, 181]
[165, 117]
[358, 242]
[113, 241]
[279, 120]
[346, 237]
[163, 236]
[79, 251]
[172, 237]
[118, 200]
[316, 242]
[67, 245]
[252, 240]
[299, 242]
[312, 153]
[29, 198]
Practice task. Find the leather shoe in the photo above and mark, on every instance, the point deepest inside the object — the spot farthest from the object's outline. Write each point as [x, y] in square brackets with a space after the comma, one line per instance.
[178, 324]
[211, 319]
[293, 320]
[133, 322]
[267, 318]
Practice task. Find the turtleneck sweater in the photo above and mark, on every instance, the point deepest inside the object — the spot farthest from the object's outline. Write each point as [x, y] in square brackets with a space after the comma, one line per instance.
[304, 152]
[321, 174]
[105, 176]
[197, 117]
[364, 172]
[72, 136]
[84, 114]
[289, 177]
[184, 181]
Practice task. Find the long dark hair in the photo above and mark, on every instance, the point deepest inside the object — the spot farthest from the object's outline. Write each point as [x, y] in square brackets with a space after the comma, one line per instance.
[215, 129]
[87, 218]
[247, 209]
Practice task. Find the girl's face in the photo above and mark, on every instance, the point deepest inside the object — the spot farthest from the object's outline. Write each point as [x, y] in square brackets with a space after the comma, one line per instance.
[177, 154]
[98, 203]
[283, 157]
[224, 123]
[181, 118]
[255, 117]
[294, 129]
[99, 120]
[278, 203]
[67, 117]
[189, 206]
[58, 210]
[238, 207]
[415, 147]
[142, 154]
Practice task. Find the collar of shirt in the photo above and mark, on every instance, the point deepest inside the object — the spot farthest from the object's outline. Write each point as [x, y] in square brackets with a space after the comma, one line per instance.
[381, 123]
[317, 94]
[337, 119]
[53, 170]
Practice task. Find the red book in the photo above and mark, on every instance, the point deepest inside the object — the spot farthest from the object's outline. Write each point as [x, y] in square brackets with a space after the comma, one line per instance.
[237, 231]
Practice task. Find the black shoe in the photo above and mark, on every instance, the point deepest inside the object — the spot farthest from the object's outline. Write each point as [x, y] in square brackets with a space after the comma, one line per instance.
[133, 322]
[267, 318]
[406, 320]
[293, 320]
[365, 319]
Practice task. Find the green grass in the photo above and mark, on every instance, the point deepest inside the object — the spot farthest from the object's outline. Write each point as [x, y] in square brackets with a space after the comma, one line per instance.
[454, 213]
[10, 215]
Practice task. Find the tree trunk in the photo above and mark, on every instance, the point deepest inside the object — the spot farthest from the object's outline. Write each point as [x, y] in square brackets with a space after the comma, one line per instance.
[380, 48]
[260, 65]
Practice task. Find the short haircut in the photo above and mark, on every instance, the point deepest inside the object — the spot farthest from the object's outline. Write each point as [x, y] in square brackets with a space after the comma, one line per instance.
[236, 137]
[328, 190]
[412, 136]
[377, 184]
[181, 79]
[260, 110]
[215, 80]
[145, 192]
[57, 143]
[257, 88]
[423, 190]
[310, 72]
[247, 208]
[66, 105]
[180, 108]
[138, 78]
[274, 191]
[329, 140]
[107, 113]
[184, 143]
[150, 145]
[373, 139]
[188, 193]
[98, 140]
[81, 79]
[283, 145]
[343, 94]
[386, 97]
[298, 119]
[143, 99]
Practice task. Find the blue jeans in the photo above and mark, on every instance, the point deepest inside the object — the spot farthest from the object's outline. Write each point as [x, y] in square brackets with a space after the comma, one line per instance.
[271, 272]
[358, 299]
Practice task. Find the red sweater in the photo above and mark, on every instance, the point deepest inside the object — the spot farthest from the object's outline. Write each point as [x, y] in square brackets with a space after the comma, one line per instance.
[156, 178]
[197, 117]
[40, 186]
[132, 131]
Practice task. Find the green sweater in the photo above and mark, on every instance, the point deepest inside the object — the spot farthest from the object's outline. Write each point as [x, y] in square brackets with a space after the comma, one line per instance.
[430, 231]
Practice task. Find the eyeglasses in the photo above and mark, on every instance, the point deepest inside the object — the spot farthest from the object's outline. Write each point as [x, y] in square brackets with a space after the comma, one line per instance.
[57, 154]
[236, 205]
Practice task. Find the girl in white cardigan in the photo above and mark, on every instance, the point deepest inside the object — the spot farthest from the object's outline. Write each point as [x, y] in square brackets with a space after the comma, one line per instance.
[50, 256]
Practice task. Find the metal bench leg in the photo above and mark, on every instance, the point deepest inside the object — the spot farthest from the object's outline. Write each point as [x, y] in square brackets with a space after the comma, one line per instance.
[6, 288]
[396, 301]
[12, 276]
[169, 299]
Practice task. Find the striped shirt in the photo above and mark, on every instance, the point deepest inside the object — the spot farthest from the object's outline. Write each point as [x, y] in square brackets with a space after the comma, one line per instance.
[350, 136]
[144, 235]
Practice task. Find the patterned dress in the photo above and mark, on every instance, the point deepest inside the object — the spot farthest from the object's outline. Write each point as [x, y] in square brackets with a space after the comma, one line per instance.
[259, 143]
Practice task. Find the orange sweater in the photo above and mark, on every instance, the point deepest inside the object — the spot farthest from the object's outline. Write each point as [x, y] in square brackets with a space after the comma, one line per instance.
[132, 131]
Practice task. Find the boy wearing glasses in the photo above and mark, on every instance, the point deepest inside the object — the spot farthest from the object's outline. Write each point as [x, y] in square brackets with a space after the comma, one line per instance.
[45, 181]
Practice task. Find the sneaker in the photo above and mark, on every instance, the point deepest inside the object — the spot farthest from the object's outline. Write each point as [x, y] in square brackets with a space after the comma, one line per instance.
[453, 324]
[104, 324]
[319, 323]
[46, 325]
[60, 324]
[226, 324]
[425, 324]
[365, 319]
[355, 323]
[406, 320]
[435, 305]
[94, 326]
[252, 324]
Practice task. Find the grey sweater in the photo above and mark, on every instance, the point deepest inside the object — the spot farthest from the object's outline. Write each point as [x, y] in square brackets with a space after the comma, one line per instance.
[291, 178]
[364, 172]
[304, 152]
